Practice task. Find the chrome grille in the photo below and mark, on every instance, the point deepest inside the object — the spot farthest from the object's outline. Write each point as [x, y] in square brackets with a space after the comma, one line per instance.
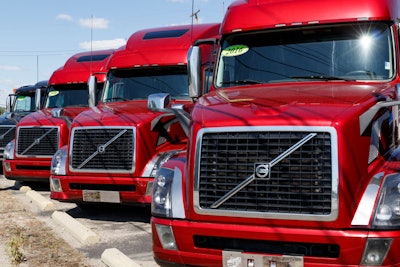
[37, 141]
[301, 183]
[102, 149]
[7, 133]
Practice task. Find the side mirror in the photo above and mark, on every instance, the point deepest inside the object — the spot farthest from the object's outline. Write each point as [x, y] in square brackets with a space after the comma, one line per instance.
[9, 102]
[158, 102]
[57, 112]
[38, 99]
[194, 71]
[92, 86]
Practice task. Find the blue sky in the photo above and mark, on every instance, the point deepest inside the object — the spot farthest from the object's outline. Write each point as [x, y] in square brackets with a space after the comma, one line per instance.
[39, 36]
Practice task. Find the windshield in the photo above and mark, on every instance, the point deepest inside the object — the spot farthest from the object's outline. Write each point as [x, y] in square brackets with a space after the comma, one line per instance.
[24, 103]
[138, 84]
[66, 95]
[360, 51]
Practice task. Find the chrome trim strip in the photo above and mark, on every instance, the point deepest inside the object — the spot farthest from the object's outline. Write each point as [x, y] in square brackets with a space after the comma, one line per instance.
[178, 210]
[284, 216]
[366, 206]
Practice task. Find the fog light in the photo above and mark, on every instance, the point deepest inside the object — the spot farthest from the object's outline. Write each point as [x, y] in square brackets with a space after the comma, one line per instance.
[166, 236]
[55, 185]
[149, 188]
[7, 166]
[375, 251]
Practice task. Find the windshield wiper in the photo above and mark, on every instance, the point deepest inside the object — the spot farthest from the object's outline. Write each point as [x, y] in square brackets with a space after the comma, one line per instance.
[115, 99]
[243, 82]
[321, 77]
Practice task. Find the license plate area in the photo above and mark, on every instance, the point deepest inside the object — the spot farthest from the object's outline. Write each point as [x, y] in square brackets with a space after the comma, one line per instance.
[101, 196]
[240, 259]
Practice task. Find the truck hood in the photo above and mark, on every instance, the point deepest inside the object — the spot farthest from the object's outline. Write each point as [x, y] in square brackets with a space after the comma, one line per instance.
[317, 103]
[5, 121]
[126, 113]
[44, 118]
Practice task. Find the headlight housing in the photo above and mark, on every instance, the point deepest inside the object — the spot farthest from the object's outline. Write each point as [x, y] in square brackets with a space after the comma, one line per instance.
[167, 198]
[155, 164]
[58, 162]
[387, 211]
[9, 150]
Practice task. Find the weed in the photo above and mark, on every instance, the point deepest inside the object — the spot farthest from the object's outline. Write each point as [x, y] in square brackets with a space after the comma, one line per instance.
[17, 256]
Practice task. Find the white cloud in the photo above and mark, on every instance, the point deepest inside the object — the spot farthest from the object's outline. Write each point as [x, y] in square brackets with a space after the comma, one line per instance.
[64, 17]
[9, 68]
[104, 44]
[95, 23]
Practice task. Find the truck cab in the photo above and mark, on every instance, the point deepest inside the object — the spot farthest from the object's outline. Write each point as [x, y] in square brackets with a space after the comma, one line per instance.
[116, 147]
[40, 134]
[293, 154]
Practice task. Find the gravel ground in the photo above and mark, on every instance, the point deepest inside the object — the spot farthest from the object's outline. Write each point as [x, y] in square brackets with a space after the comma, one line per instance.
[25, 241]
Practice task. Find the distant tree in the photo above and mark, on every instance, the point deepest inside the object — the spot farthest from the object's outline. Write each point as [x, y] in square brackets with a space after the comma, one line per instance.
[2, 110]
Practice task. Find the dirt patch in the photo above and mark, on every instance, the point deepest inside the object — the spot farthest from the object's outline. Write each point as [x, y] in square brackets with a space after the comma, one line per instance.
[28, 242]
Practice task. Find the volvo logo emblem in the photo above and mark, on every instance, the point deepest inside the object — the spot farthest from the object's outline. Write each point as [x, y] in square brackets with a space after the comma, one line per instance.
[262, 170]
[101, 149]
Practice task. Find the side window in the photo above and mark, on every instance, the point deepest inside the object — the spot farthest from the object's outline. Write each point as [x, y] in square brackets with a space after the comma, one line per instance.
[207, 79]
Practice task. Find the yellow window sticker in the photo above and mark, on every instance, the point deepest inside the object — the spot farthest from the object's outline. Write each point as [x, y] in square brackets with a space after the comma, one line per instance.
[235, 50]
[53, 93]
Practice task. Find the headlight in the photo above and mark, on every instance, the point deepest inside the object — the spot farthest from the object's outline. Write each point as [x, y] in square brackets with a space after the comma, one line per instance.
[9, 150]
[387, 212]
[161, 198]
[167, 198]
[58, 162]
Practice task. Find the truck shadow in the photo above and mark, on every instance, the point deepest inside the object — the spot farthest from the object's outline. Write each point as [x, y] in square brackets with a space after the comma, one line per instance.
[112, 212]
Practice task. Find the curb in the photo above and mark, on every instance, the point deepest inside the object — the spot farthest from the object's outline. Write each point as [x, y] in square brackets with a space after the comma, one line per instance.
[79, 231]
[112, 257]
[43, 203]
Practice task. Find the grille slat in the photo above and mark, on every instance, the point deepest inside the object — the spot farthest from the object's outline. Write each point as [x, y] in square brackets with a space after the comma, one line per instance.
[37, 141]
[301, 183]
[103, 149]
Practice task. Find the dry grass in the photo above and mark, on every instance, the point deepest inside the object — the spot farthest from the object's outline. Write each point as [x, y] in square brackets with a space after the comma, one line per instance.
[29, 242]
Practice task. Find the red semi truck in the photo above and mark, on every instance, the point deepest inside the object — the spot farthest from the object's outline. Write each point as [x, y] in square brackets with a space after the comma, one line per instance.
[116, 147]
[293, 155]
[40, 134]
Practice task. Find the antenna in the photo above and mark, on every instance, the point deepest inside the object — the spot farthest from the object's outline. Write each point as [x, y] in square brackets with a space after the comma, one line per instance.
[194, 15]
[91, 45]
